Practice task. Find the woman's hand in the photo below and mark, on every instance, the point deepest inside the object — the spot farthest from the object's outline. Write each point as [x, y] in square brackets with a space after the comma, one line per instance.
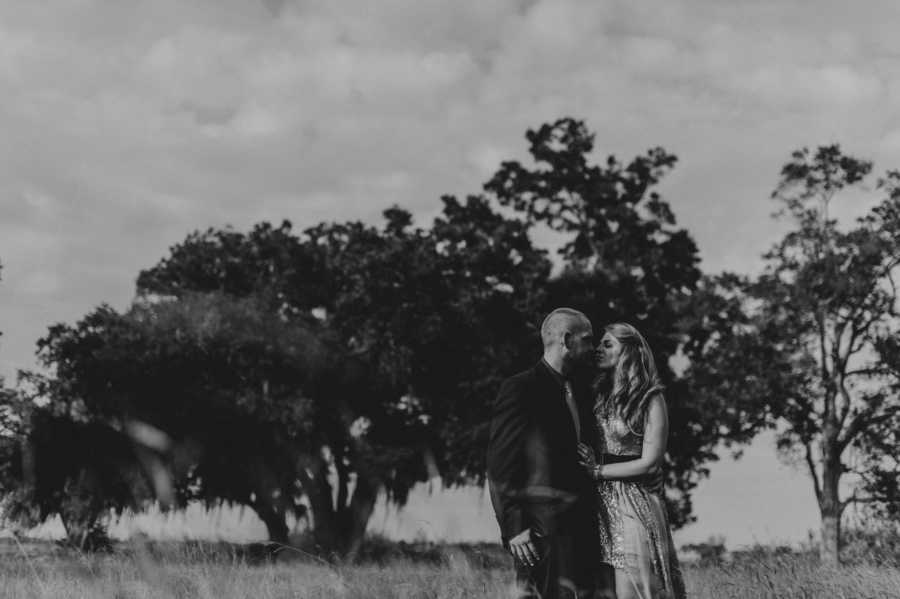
[588, 459]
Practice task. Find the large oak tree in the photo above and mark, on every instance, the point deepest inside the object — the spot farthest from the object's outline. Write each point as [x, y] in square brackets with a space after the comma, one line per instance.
[279, 369]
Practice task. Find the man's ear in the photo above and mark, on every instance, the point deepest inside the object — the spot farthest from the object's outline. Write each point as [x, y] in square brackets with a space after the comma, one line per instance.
[566, 339]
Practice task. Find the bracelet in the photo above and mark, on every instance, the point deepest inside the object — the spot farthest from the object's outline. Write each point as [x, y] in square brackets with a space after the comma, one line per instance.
[596, 473]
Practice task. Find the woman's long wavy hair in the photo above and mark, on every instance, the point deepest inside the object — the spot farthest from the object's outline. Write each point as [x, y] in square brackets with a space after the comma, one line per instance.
[628, 388]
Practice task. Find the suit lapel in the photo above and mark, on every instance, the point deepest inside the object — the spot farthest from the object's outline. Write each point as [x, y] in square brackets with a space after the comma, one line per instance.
[550, 389]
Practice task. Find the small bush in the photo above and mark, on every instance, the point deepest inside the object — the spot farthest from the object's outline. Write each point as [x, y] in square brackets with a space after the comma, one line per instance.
[876, 545]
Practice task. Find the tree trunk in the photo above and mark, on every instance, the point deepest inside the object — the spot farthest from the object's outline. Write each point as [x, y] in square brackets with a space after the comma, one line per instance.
[76, 529]
[319, 492]
[85, 533]
[275, 523]
[339, 530]
[357, 515]
[325, 535]
[831, 536]
[830, 509]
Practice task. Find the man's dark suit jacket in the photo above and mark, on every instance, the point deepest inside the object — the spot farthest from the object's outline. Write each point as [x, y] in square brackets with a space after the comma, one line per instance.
[532, 462]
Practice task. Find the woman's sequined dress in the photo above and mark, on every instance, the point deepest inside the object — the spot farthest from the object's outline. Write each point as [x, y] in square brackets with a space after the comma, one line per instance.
[634, 529]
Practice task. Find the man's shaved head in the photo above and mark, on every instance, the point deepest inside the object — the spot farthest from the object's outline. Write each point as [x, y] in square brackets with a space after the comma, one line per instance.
[562, 321]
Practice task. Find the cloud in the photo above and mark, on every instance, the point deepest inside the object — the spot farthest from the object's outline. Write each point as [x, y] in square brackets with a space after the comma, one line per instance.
[128, 126]
[799, 87]
[891, 141]
[485, 159]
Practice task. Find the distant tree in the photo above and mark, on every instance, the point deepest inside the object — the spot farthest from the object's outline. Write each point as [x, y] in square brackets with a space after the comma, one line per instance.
[710, 553]
[55, 464]
[808, 346]
[624, 259]
[10, 455]
[79, 471]
[8, 445]
[211, 393]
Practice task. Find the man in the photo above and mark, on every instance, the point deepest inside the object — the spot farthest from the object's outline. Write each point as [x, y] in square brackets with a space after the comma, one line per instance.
[543, 499]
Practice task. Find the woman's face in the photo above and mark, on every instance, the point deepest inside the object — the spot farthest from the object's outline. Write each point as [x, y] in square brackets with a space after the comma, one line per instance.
[608, 352]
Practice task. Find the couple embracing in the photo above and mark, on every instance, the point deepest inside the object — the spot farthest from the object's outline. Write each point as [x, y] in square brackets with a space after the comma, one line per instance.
[574, 459]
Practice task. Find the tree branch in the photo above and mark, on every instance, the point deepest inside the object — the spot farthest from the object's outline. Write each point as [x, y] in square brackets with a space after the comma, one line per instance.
[823, 350]
[845, 408]
[865, 326]
[866, 372]
[817, 485]
[862, 420]
[343, 481]
[855, 498]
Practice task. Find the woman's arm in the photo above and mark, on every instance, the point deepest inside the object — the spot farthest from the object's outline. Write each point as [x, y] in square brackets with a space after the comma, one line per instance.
[656, 432]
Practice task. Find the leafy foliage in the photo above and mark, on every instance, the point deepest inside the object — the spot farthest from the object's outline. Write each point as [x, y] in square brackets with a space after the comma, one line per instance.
[624, 259]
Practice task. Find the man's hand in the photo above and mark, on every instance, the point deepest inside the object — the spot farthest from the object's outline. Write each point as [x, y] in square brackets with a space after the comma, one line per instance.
[523, 549]
[587, 459]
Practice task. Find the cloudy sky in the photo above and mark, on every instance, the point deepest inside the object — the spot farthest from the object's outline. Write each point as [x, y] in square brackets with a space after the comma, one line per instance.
[127, 124]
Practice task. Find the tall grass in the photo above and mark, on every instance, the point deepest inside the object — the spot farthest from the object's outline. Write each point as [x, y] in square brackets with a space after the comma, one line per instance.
[176, 571]
[771, 576]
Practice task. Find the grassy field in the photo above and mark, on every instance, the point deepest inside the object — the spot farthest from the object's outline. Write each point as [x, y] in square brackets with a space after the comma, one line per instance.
[142, 571]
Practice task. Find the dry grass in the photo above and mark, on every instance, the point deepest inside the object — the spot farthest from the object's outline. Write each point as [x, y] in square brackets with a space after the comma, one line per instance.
[142, 571]
[209, 572]
[794, 577]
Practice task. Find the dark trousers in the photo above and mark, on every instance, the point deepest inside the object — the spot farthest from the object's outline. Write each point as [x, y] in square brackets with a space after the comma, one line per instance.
[568, 569]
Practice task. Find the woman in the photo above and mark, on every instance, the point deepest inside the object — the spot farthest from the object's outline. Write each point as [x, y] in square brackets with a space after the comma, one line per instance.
[631, 415]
